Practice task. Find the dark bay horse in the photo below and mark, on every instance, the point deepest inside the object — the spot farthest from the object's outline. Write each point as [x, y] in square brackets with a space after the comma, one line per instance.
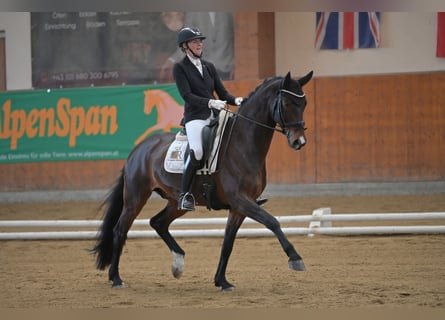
[239, 181]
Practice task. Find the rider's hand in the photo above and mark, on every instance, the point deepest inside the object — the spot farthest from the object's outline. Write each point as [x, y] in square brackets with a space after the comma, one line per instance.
[217, 104]
[238, 101]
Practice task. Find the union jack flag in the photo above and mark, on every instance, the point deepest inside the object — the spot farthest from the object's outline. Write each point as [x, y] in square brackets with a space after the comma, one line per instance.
[347, 30]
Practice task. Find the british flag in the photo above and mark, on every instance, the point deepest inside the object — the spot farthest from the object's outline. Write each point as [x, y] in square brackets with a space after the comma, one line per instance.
[347, 30]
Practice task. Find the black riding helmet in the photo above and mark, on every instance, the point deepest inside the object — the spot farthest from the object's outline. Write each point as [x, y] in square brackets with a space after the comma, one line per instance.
[187, 34]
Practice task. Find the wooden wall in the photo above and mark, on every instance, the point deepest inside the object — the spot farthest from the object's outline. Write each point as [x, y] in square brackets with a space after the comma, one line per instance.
[254, 45]
[361, 128]
[380, 128]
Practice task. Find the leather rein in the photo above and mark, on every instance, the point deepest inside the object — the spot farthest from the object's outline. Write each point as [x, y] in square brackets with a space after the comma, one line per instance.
[278, 108]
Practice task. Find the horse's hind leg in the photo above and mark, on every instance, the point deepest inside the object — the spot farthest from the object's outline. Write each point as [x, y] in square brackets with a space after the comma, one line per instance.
[160, 223]
[119, 238]
[133, 204]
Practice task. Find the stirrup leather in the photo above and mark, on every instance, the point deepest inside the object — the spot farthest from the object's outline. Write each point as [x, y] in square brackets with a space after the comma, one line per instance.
[186, 202]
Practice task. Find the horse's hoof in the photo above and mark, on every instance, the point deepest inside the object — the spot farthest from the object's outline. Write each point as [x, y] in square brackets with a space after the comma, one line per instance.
[177, 265]
[228, 289]
[177, 273]
[297, 265]
[118, 285]
[225, 285]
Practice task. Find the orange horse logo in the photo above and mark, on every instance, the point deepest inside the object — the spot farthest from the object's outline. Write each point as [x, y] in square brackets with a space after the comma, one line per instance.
[169, 112]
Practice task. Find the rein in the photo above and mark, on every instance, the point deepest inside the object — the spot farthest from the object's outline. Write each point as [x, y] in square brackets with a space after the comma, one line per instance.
[254, 121]
[282, 123]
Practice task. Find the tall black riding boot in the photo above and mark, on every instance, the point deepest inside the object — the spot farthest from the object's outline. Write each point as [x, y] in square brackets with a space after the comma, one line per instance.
[186, 200]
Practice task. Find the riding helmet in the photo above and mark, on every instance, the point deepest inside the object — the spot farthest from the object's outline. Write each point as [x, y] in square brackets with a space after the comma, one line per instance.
[187, 34]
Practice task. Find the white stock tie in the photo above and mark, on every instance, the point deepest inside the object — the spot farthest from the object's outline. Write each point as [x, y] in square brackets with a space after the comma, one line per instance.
[199, 66]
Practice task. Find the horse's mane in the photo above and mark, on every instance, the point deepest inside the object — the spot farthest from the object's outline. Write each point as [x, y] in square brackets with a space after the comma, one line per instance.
[261, 85]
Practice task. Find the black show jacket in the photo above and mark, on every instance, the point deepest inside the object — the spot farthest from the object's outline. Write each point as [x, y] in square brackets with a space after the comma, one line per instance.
[197, 90]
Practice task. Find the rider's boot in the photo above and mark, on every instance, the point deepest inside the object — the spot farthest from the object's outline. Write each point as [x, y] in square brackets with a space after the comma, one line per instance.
[186, 200]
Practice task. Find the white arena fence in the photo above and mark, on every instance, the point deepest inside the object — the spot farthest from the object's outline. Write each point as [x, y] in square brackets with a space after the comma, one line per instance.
[320, 223]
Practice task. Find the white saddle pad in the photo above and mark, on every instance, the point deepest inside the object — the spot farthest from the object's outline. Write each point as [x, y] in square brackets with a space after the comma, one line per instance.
[174, 159]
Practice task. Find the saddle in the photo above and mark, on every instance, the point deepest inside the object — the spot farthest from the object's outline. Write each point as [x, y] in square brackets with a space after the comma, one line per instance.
[211, 142]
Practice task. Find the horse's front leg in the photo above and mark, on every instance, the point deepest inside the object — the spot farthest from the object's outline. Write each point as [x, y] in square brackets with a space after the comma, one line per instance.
[234, 222]
[258, 214]
[161, 223]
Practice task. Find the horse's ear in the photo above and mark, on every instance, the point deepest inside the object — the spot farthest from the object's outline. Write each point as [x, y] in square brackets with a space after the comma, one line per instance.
[287, 80]
[306, 78]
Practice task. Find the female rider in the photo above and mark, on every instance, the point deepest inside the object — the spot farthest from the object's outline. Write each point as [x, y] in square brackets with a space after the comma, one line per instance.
[197, 81]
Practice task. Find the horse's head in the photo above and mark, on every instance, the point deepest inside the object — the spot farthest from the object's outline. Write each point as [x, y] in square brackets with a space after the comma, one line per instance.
[289, 107]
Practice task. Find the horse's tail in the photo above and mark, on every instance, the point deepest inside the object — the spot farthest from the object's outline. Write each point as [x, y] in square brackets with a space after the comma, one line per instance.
[113, 207]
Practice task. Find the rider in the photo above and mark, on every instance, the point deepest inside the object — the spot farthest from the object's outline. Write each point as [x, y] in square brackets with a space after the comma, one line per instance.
[197, 80]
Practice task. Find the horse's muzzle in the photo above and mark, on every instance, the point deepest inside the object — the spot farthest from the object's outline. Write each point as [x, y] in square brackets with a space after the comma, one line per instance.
[298, 143]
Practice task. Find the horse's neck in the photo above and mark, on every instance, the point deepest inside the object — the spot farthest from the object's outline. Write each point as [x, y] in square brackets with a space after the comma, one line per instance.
[256, 137]
[249, 142]
[258, 109]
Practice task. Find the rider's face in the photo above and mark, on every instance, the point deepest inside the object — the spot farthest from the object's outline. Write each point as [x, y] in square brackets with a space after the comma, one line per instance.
[195, 46]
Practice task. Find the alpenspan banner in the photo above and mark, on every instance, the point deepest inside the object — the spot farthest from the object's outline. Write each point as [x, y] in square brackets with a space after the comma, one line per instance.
[84, 123]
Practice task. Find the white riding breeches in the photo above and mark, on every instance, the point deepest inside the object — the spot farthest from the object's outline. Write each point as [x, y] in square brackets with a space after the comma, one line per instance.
[194, 129]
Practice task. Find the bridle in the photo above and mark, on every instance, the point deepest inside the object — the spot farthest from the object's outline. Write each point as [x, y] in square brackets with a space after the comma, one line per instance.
[277, 109]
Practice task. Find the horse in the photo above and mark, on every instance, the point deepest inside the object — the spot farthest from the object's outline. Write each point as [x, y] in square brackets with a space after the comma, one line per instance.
[169, 112]
[239, 181]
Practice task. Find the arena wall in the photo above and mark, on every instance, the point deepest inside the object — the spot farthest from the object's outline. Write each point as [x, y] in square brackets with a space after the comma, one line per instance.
[382, 127]
[360, 129]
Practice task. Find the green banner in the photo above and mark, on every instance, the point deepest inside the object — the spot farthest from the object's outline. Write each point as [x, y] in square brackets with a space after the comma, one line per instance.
[85, 123]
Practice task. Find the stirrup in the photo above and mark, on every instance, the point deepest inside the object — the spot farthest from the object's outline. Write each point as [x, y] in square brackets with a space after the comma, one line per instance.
[186, 202]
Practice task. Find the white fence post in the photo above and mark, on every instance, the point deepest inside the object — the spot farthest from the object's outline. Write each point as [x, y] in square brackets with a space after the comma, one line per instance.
[317, 222]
